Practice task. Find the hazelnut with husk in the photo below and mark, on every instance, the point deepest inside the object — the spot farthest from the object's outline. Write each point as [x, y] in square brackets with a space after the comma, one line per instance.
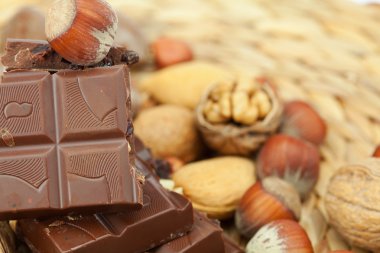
[376, 153]
[282, 236]
[170, 51]
[81, 31]
[237, 117]
[294, 160]
[266, 201]
[304, 122]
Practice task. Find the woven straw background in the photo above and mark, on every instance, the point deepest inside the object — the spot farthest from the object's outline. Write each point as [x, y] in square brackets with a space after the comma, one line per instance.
[324, 52]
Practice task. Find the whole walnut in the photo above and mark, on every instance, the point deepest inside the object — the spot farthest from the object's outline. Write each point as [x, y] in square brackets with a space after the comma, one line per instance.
[353, 203]
[169, 131]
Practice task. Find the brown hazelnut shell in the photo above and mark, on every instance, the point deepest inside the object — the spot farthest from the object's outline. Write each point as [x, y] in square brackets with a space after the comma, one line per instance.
[280, 236]
[81, 31]
[294, 160]
[266, 201]
[302, 121]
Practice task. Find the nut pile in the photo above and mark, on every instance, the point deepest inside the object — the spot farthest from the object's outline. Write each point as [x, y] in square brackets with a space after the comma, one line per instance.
[296, 58]
[245, 130]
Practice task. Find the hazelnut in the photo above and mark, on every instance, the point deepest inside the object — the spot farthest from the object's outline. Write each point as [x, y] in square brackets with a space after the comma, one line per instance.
[266, 201]
[376, 153]
[302, 121]
[81, 31]
[294, 160]
[170, 51]
[169, 131]
[175, 163]
[285, 236]
[352, 203]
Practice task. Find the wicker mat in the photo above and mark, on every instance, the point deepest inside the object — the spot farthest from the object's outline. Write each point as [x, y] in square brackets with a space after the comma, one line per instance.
[325, 52]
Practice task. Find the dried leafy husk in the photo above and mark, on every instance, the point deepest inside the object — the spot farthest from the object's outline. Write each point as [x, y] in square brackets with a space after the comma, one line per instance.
[233, 139]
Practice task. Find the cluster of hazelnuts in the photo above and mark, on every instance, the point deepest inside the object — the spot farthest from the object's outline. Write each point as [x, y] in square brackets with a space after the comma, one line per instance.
[288, 166]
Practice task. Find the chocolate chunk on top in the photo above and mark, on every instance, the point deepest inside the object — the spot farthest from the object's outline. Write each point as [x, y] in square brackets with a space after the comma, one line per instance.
[63, 144]
[37, 54]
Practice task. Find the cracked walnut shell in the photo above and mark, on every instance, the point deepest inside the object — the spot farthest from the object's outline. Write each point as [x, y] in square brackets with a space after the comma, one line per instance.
[353, 203]
[237, 117]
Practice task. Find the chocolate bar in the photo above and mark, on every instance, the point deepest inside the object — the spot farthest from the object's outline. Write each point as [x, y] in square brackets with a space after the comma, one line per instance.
[205, 236]
[65, 143]
[230, 246]
[164, 217]
[37, 54]
[143, 155]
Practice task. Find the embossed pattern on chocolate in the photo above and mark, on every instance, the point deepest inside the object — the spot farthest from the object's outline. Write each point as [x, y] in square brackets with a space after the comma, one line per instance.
[63, 143]
[165, 216]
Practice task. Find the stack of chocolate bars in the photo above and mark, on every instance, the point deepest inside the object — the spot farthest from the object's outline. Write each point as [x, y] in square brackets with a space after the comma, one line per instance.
[71, 171]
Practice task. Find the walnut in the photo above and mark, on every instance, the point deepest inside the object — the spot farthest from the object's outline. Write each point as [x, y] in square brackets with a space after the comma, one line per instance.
[353, 203]
[236, 117]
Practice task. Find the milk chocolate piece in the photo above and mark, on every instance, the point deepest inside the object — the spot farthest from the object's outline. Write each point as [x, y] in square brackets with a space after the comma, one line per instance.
[37, 54]
[144, 155]
[205, 236]
[63, 145]
[230, 246]
[164, 217]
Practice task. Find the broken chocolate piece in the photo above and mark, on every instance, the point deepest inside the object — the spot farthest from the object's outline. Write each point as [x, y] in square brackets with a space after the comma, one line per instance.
[230, 246]
[37, 54]
[206, 236]
[27, 22]
[165, 216]
[63, 145]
